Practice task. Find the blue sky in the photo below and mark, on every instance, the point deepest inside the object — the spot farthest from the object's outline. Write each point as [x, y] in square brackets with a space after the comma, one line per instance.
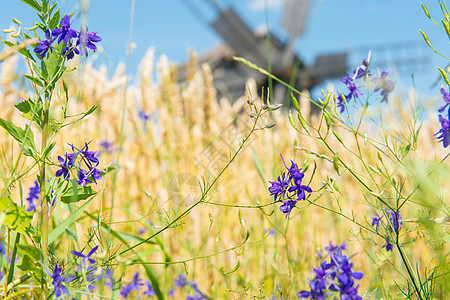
[331, 26]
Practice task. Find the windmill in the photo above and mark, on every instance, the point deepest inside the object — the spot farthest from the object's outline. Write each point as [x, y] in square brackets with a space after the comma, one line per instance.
[240, 40]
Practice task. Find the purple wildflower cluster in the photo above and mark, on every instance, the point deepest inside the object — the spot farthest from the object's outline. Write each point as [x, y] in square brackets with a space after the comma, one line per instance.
[86, 269]
[289, 188]
[65, 34]
[32, 195]
[181, 282]
[393, 227]
[443, 135]
[333, 277]
[88, 158]
[58, 281]
[362, 71]
[136, 285]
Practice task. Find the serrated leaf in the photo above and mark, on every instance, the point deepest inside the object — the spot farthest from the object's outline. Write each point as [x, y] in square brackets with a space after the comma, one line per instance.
[76, 192]
[16, 217]
[34, 4]
[23, 106]
[24, 137]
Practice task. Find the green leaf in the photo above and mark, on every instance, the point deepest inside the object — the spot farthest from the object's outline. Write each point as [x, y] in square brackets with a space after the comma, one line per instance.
[34, 80]
[44, 71]
[54, 20]
[16, 217]
[30, 265]
[55, 62]
[24, 137]
[23, 106]
[33, 252]
[76, 192]
[48, 150]
[67, 222]
[34, 4]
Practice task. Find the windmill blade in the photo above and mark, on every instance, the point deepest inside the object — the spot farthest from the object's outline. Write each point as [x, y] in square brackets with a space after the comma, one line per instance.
[294, 17]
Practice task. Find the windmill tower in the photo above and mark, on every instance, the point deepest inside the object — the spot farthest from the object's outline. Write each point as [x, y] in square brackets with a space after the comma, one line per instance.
[240, 40]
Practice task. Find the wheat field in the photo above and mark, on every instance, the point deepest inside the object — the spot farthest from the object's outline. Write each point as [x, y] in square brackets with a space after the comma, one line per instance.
[188, 138]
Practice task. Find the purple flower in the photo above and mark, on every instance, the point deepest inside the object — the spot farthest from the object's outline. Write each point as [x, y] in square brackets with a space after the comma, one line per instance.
[125, 291]
[180, 281]
[135, 285]
[109, 281]
[86, 257]
[279, 187]
[297, 178]
[44, 45]
[69, 51]
[376, 221]
[149, 291]
[287, 206]
[385, 84]
[107, 146]
[83, 177]
[362, 70]
[354, 92]
[65, 33]
[57, 281]
[288, 184]
[341, 103]
[395, 219]
[33, 194]
[446, 96]
[86, 40]
[143, 116]
[337, 275]
[65, 164]
[388, 245]
[443, 135]
[2, 248]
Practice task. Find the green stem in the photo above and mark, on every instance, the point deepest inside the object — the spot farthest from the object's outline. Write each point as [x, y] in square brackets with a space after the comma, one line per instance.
[44, 211]
[409, 270]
